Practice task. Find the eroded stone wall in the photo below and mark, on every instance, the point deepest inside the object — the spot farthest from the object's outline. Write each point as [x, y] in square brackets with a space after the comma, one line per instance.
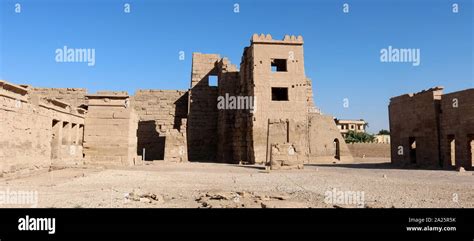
[110, 137]
[414, 128]
[457, 129]
[227, 131]
[289, 79]
[326, 144]
[36, 133]
[73, 96]
[202, 116]
[162, 122]
[188, 125]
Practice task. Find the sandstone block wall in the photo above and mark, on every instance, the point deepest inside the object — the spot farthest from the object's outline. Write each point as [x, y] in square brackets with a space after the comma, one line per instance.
[162, 122]
[202, 115]
[187, 125]
[228, 133]
[67, 127]
[243, 122]
[457, 129]
[176, 149]
[36, 133]
[287, 133]
[369, 149]
[264, 51]
[414, 125]
[278, 117]
[73, 96]
[285, 156]
[110, 137]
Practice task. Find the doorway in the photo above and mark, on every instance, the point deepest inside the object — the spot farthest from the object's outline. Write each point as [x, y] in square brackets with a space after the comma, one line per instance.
[337, 149]
[470, 139]
[412, 142]
[55, 139]
[452, 150]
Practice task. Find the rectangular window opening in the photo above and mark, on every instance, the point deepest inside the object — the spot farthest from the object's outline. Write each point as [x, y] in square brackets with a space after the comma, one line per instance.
[279, 94]
[213, 80]
[278, 65]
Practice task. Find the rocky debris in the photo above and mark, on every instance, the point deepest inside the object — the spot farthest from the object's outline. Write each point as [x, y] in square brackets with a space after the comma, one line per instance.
[144, 197]
[244, 199]
[285, 156]
[283, 204]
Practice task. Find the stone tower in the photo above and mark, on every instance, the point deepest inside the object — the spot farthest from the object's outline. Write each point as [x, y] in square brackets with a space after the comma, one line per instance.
[276, 78]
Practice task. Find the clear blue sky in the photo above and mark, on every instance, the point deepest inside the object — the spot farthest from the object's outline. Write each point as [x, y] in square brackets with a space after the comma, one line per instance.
[140, 50]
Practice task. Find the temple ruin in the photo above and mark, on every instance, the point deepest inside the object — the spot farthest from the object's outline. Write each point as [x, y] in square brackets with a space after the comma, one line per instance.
[44, 127]
[432, 130]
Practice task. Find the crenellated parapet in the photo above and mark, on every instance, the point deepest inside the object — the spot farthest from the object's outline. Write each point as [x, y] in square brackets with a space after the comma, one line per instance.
[267, 39]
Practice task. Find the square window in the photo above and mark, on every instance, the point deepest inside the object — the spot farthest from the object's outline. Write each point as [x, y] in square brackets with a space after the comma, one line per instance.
[278, 65]
[279, 94]
[212, 80]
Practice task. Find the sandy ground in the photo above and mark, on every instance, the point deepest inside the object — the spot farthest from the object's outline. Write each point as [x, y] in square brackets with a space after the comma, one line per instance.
[366, 183]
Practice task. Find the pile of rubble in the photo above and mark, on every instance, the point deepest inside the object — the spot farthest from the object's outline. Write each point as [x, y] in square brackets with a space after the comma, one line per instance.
[245, 200]
[144, 197]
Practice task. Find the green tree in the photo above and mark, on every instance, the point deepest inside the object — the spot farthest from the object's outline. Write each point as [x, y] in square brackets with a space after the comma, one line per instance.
[384, 132]
[358, 137]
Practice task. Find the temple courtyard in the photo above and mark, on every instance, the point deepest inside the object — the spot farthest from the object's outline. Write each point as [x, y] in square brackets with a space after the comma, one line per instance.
[367, 183]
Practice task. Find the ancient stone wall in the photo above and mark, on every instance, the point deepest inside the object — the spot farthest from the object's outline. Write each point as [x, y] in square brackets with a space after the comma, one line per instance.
[189, 125]
[202, 116]
[326, 144]
[414, 128]
[110, 137]
[287, 138]
[36, 132]
[280, 87]
[286, 156]
[176, 149]
[228, 90]
[162, 122]
[369, 149]
[242, 134]
[457, 129]
[73, 96]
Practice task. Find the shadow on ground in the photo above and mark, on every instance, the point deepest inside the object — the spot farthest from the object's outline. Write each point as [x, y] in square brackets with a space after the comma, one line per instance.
[258, 167]
[382, 165]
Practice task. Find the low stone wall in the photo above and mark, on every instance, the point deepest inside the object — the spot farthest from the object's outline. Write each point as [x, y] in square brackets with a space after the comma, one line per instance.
[370, 149]
[110, 137]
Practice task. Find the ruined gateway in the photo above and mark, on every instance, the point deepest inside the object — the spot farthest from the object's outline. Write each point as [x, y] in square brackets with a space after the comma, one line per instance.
[48, 127]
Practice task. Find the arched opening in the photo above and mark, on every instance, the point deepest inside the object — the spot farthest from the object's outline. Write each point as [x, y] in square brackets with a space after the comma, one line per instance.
[337, 150]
